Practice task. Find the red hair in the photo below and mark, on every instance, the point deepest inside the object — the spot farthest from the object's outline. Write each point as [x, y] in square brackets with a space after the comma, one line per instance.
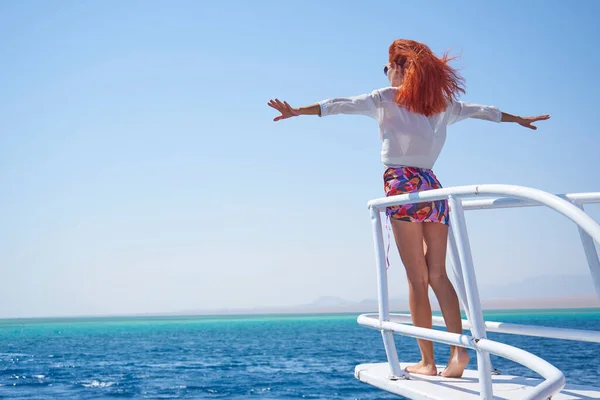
[428, 82]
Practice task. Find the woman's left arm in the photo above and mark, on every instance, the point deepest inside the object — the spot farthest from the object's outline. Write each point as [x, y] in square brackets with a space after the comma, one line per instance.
[524, 121]
[460, 110]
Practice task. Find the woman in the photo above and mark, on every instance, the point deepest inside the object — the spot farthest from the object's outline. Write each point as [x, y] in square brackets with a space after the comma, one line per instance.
[413, 114]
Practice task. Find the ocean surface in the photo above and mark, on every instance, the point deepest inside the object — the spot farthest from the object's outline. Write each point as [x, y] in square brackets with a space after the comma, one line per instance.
[235, 357]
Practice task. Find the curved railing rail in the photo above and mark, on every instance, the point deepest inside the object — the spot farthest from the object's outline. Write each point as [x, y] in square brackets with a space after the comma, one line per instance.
[554, 378]
[465, 281]
[579, 335]
[507, 202]
[556, 203]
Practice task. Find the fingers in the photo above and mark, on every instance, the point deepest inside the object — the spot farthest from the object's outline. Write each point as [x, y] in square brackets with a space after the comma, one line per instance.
[280, 104]
[540, 118]
[527, 122]
[284, 108]
[274, 104]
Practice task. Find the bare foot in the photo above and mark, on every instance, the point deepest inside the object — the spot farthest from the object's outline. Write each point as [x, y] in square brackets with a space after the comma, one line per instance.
[457, 363]
[422, 369]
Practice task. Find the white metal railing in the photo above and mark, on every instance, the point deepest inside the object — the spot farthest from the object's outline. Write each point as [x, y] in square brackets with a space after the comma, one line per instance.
[554, 378]
[507, 202]
[464, 279]
[580, 335]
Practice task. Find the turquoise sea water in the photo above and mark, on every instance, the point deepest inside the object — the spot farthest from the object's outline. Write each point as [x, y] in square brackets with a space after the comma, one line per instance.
[291, 357]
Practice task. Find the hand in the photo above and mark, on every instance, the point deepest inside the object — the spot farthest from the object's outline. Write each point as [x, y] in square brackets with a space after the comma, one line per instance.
[284, 108]
[527, 121]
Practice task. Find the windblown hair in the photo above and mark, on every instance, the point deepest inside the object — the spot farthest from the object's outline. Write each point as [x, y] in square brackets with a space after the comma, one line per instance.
[429, 83]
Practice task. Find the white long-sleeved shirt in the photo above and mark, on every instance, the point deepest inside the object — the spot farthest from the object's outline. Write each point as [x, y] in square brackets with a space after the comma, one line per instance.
[408, 138]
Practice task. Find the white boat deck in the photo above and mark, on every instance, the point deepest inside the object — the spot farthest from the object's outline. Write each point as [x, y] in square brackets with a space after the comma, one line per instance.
[506, 387]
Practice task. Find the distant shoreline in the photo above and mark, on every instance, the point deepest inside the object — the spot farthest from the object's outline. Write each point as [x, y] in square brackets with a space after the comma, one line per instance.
[584, 303]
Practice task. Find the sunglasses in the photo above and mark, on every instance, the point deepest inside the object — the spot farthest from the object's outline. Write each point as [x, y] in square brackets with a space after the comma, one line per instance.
[386, 68]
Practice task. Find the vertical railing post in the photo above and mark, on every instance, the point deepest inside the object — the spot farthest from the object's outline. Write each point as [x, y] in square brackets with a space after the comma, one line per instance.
[459, 230]
[457, 276]
[382, 295]
[590, 254]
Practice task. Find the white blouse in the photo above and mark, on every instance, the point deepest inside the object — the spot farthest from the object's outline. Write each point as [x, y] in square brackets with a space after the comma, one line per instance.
[408, 138]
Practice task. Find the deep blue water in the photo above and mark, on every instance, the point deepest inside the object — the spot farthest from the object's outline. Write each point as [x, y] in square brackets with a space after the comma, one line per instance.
[295, 357]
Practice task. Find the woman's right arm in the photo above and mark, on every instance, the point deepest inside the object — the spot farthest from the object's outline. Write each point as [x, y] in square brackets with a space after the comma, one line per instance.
[365, 104]
[288, 111]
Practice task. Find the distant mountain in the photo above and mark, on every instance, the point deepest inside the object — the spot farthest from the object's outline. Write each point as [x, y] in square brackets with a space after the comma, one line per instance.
[551, 291]
[539, 292]
[542, 286]
[329, 301]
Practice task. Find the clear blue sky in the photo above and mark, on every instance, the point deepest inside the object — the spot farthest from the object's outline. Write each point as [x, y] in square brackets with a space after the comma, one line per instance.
[140, 170]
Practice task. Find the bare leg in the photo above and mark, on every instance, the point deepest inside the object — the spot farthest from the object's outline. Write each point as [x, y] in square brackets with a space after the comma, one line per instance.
[436, 239]
[409, 239]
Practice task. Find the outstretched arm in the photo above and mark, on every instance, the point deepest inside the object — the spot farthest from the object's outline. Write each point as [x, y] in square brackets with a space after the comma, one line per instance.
[288, 111]
[460, 110]
[524, 121]
[364, 104]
